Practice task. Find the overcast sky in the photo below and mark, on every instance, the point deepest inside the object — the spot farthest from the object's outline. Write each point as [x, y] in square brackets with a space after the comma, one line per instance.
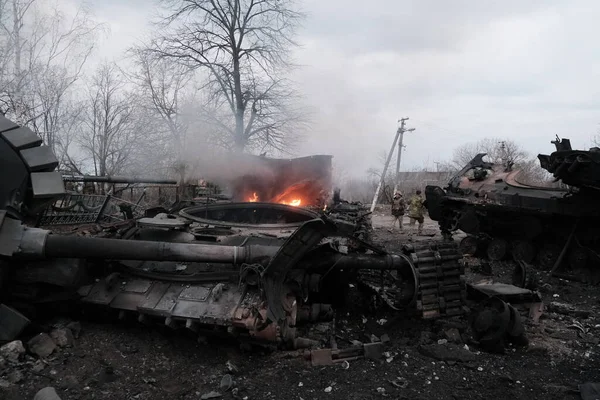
[461, 70]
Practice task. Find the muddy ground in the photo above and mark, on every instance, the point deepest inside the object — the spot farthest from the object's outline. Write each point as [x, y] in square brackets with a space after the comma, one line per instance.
[123, 360]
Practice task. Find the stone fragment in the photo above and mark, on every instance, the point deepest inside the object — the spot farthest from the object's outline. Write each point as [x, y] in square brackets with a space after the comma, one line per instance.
[42, 345]
[63, 337]
[226, 383]
[75, 328]
[46, 393]
[447, 352]
[15, 376]
[12, 351]
[38, 366]
[453, 335]
[211, 395]
[69, 382]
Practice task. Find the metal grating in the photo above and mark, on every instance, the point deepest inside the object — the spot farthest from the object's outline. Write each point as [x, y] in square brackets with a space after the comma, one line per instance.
[75, 209]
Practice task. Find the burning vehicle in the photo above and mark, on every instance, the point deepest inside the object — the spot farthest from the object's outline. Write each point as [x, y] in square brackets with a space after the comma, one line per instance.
[304, 181]
[256, 271]
[550, 227]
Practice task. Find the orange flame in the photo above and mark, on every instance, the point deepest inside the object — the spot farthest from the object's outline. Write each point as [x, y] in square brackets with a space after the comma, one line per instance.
[295, 202]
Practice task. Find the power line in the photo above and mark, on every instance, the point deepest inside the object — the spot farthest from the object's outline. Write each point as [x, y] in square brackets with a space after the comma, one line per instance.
[399, 135]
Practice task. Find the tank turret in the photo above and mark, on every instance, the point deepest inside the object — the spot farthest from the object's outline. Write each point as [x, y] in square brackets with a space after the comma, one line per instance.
[554, 227]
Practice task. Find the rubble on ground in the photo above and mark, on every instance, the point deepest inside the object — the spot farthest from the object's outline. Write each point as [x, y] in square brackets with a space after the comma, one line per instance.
[319, 301]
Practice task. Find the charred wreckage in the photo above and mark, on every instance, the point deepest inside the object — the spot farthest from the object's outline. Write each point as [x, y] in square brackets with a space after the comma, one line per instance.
[256, 271]
[551, 228]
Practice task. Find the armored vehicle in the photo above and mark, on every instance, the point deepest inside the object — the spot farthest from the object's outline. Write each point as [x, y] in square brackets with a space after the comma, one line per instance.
[555, 227]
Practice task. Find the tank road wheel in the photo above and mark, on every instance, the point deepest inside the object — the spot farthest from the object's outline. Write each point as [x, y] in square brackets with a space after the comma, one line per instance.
[523, 250]
[497, 249]
[468, 246]
[548, 255]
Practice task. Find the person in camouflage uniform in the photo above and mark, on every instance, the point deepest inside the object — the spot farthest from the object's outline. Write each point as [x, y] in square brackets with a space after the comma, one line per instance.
[416, 211]
[398, 207]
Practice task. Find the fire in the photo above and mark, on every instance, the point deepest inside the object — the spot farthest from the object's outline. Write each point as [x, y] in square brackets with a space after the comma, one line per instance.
[295, 202]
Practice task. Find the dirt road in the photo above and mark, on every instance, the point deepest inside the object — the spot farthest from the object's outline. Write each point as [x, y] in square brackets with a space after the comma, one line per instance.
[122, 360]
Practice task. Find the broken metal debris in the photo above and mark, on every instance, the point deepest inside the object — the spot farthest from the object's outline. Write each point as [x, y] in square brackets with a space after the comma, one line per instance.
[567, 309]
[261, 272]
[495, 323]
[503, 291]
[328, 356]
[13, 323]
[255, 271]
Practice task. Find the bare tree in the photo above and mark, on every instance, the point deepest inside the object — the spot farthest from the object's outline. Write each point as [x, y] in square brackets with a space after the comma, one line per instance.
[164, 86]
[243, 47]
[596, 139]
[531, 173]
[374, 175]
[43, 52]
[109, 136]
[70, 119]
[498, 151]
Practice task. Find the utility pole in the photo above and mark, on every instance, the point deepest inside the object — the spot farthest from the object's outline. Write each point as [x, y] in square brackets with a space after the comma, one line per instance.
[400, 147]
[504, 155]
[503, 150]
[399, 134]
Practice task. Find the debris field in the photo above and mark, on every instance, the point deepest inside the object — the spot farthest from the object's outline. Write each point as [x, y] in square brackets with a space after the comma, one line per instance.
[303, 296]
[104, 359]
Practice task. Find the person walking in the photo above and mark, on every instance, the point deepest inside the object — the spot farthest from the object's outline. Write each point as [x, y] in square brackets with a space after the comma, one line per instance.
[398, 208]
[416, 211]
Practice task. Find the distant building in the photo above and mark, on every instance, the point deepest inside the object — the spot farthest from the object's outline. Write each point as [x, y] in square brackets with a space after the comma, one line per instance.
[410, 181]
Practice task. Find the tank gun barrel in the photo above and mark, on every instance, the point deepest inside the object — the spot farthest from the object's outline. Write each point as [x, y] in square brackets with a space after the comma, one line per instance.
[117, 249]
[34, 243]
[116, 179]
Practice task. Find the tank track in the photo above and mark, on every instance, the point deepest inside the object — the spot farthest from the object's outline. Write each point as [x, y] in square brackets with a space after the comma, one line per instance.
[442, 288]
[28, 182]
[29, 178]
[437, 287]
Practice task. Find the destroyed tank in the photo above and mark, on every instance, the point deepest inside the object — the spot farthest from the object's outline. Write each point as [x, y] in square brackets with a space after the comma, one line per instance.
[554, 228]
[252, 271]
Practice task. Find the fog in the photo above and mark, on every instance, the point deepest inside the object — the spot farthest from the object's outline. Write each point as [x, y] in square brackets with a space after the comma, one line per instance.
[463, 71]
